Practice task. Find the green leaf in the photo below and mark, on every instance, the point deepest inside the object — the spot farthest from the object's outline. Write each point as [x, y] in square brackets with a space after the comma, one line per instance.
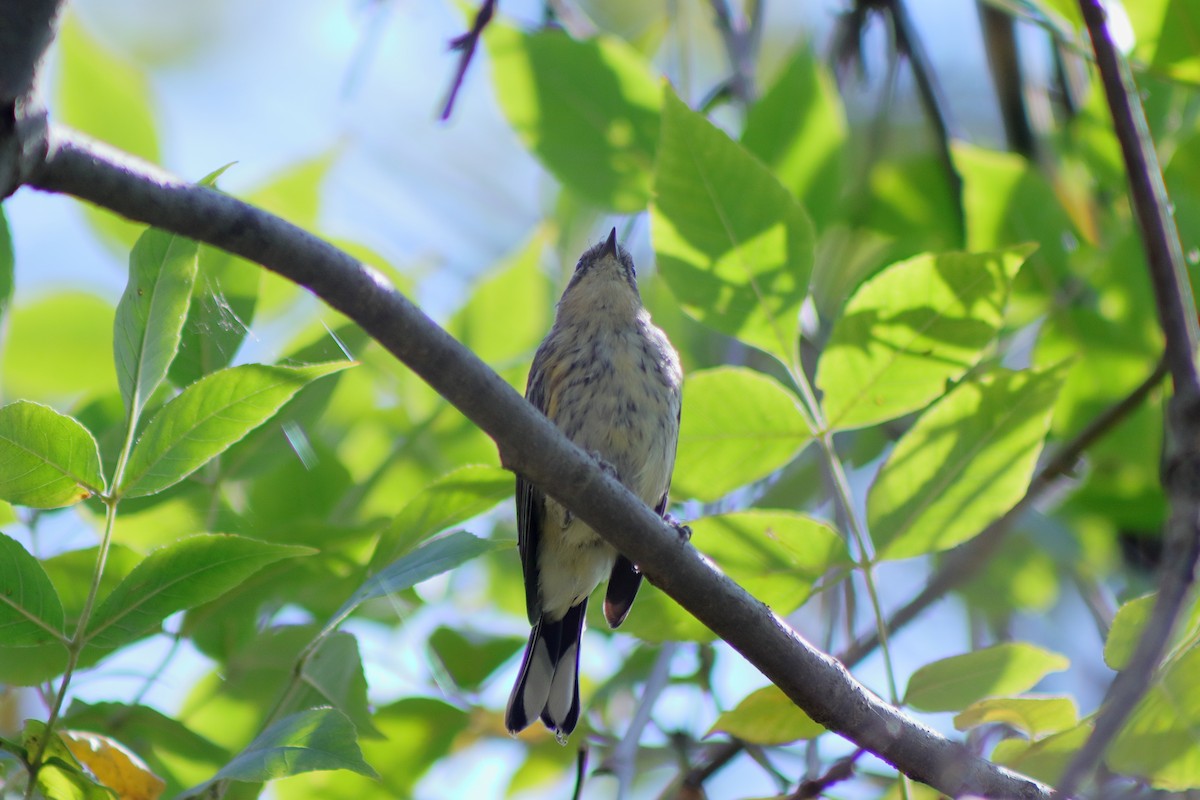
[30, 666]
[1158, 742]
[193, 571]
[767, 717]
[470, 657]
[71, 573]
[739, 425]
[600, 142]
[60, 776]
[7, 264]
[335, 673]
[74, 324]
[316, 739]
[966, 461]
[1033, 716]
[31, 612]
[431, 558]
[1007, 199]
[451, 500]
[1166, 33]
[108, 98]
[1046, 759]
[909, 330]
[1130, 621]
[150, 315]
[733, 244]
[508, 311]
[777, 556]
[173, 751]
[47, 459]
[910, 199]
[952, 684]
[224, 298]
[209, 416]
[798, 129]
[429, 729]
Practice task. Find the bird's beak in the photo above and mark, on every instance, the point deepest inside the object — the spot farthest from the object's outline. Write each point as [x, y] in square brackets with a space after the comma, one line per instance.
[610, 247]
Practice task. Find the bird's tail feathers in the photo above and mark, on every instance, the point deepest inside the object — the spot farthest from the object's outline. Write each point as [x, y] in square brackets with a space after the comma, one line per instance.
[548, 684]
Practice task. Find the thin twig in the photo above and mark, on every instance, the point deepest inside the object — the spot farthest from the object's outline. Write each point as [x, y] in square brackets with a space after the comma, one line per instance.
[740, 38]
[622, 761]
[937, 109]
[840, 770]
[1181, 458]
[466, 44]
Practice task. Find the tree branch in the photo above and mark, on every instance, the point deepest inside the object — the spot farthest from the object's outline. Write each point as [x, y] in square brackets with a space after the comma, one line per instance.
[466, 45]
[1181, 456]
[531, 446]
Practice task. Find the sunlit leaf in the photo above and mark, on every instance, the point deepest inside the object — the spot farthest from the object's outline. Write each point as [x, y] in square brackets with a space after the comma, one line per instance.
[150, 315]
[1047, 758]
[1130, 621]
[1158, 742]
[733, 244]
[767, 716]
[1033, 716]
[599, 142]
[1166, 32]
[777, 556]
[798, 129]
[952, 684]
[209, 416]
[737, 426]
[173, 751]
[114, 765]
[966, 461]
[47, 459]
[909, 330]
[60, 775]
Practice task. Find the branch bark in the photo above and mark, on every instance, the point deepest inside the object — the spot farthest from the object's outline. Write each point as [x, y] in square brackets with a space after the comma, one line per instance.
[1181, 458]
[531, 446]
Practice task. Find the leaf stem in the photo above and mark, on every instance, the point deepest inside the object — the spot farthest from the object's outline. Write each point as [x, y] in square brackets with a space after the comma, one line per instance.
[858, 531]
[75, 645]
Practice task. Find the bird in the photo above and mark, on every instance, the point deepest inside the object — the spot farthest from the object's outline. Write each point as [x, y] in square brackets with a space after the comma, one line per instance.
[612, 383]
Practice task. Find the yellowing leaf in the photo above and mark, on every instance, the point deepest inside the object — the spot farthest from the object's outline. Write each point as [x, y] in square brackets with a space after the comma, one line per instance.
[114, 766]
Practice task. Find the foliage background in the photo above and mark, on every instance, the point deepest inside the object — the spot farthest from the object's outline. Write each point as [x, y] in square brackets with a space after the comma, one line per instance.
[470, 222]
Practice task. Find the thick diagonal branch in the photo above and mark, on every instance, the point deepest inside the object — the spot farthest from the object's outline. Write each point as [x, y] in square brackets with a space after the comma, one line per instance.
[531, 446]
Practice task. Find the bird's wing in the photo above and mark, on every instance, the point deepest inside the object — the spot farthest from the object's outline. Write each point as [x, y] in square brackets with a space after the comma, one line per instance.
[531, 504]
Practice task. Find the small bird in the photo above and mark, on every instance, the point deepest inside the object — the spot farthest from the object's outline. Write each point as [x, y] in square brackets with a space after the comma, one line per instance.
[610, 380]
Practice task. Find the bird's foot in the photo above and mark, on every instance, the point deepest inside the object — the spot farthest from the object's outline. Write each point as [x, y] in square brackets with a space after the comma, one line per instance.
[684, 532]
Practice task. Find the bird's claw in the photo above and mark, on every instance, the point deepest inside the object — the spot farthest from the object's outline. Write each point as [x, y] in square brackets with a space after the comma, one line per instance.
[605, 467]
[684, 532]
